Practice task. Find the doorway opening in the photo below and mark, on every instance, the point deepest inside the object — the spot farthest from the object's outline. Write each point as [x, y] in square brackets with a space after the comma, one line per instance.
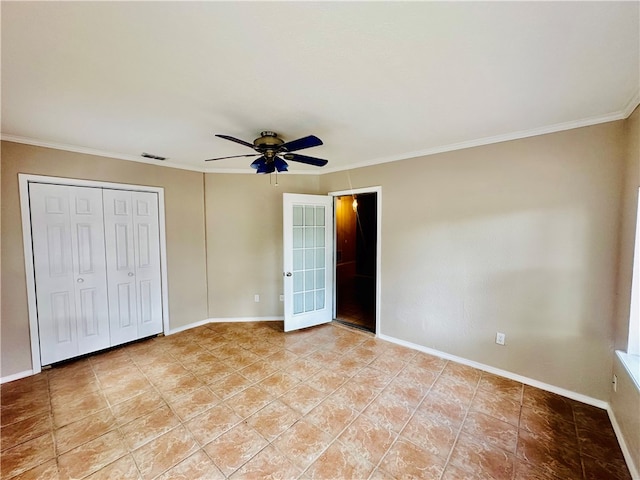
[356, 223]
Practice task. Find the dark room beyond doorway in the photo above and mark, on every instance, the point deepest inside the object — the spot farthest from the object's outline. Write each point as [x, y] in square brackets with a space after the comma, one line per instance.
[356, 241]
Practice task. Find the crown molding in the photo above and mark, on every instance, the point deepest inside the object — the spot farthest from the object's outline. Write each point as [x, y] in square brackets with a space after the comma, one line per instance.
[98, 153]
[559, 127]
[622, 114]
[633, 102]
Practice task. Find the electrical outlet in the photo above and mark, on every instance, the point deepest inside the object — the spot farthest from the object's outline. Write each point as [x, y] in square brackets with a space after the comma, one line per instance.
[615, 383]
[256, 298]
[282, 298]
[500, 338]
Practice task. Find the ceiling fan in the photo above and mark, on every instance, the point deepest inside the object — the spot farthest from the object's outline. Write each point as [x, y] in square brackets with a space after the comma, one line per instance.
[274, 151]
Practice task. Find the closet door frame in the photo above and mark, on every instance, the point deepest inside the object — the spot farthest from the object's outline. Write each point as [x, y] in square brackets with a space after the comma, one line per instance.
[24, 180]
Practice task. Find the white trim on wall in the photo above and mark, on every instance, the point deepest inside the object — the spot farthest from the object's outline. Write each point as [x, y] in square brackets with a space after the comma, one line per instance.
[357, 191]
[16, 376]
[503, 373]
[634, 469]
[223, 320]
[97, 153]
[245, 319]
[24, 180]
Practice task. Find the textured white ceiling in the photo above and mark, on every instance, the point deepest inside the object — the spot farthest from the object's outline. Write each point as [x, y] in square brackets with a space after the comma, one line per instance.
[376, 81]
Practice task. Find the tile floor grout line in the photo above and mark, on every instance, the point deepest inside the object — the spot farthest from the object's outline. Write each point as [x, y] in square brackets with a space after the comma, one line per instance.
[118, 426]
[515, 470]
[398, 435]
[165, 403]
[464, 419]
[575, 425]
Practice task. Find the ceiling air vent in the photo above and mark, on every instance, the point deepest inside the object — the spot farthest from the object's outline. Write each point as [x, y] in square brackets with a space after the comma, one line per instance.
[154, 157]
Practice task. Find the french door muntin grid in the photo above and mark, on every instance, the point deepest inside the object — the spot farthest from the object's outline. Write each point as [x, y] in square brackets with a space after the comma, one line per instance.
[309, 253]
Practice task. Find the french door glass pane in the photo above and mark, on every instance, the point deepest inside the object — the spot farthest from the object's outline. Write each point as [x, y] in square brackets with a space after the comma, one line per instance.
[319, 299]
[297, 260]
[309, 237]
[308, 280]
[309, 259]
[319, 236]
[308, 301]
[309, 255]
[320, 216]
[297, 237]
[298, 303]
[297, 216]
[309, 216]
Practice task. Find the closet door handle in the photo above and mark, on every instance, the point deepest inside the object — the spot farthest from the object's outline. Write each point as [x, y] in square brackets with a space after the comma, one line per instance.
[130, 274]
[80, 280]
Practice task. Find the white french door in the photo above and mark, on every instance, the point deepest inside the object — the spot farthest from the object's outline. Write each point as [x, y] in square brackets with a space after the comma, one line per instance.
[69, 259]
[308, 260]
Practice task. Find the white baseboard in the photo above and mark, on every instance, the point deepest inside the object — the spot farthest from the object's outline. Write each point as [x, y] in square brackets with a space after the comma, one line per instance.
[634, 469]
[503, 373]
[222, 320]
[245, 319]
[187, 327]
[16, 376]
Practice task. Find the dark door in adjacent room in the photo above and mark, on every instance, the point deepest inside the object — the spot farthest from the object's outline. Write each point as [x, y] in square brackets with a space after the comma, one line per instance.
[356, 246]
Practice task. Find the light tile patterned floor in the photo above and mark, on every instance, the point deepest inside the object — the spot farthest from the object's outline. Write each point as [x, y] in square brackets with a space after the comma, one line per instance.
[245, 400]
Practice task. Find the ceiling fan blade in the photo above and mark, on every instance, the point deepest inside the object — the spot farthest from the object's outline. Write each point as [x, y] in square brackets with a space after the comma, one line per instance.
[233, 156]
[318, 162]
[237, 140]
[301, 143]
[258, 162]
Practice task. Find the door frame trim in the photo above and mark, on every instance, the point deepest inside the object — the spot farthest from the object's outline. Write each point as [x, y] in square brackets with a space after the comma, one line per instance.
[24, 180]
[356, 191]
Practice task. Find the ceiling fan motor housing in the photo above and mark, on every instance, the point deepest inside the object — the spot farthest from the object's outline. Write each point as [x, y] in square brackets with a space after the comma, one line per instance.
[267, 140]
[268, 144]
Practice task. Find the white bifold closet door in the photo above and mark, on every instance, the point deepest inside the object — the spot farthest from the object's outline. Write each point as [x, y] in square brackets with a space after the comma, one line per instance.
[97, 268]
[133, 264]
[71, 283]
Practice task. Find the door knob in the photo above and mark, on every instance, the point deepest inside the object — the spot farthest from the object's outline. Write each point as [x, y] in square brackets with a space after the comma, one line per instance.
[80, 280]
[130, 274]
[288, 274]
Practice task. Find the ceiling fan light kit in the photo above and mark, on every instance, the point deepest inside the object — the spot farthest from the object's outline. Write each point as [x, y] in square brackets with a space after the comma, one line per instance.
[274, 152]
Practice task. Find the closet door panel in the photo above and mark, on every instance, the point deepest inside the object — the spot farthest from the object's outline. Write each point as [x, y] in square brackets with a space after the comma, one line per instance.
[69, 257]
[92, 310]
[147, 254]
[121, 282]
[53, 262]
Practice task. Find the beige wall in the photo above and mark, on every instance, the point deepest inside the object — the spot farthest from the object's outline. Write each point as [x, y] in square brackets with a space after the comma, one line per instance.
[628, 228]
[244, 241]
[184, 224]
[518, 237]
[625, 403]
